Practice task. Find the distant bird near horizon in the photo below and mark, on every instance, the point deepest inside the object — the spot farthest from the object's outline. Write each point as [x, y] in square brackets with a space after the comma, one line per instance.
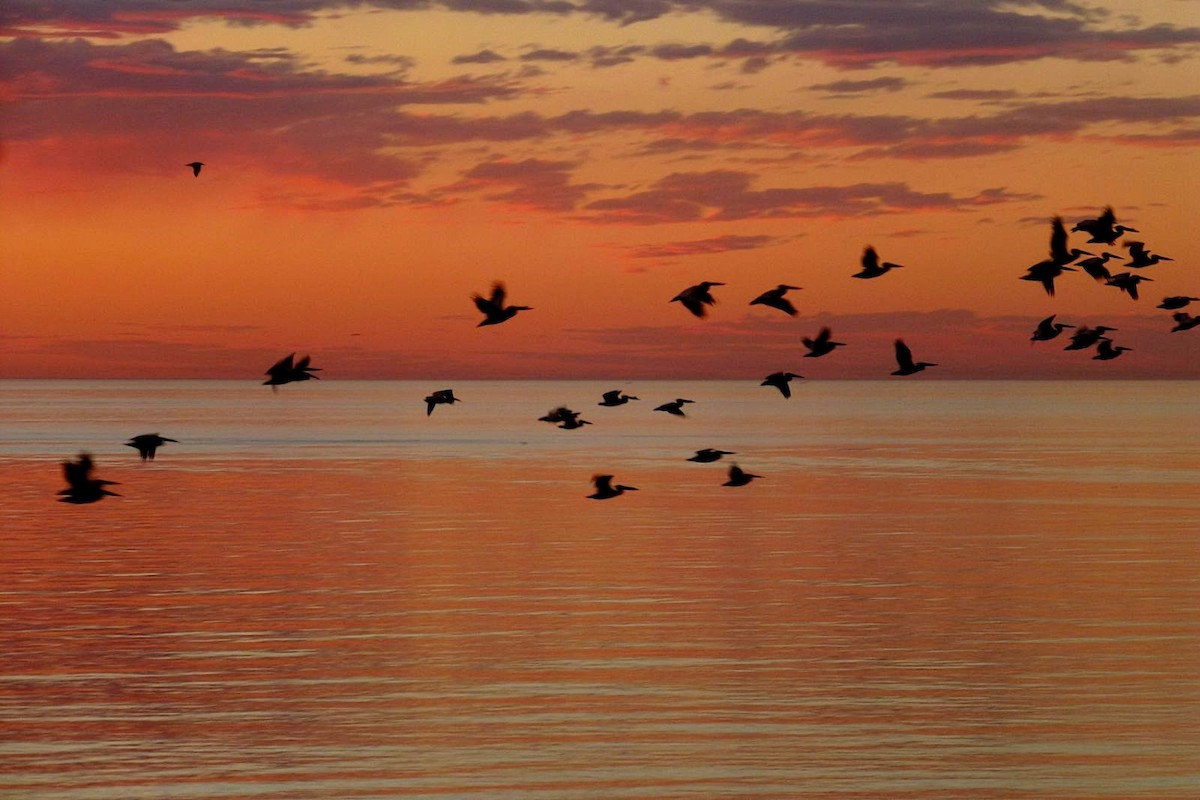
[82, 487]
[1084, 337]
[1176, 301]
[572, 423]
[904, 360]
[1095, 266]
[1140, 257]
[1105, 351]
[781, 381]
[775, 299]
[1048, 329]
[1103, 229]
[708, 455]
[288, 370]
[605, 489]
[492, 307]
[557, 415]
[615, 398]
[147, 444]
[674, 407]
[871, 267]
[1184, 321]
[440, 397]
[739, 477]
[1127, 282]
[820, 344]
[195, 165]
[697, 298]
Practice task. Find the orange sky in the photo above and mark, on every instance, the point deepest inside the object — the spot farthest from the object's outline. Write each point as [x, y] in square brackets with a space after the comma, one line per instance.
[370, 167]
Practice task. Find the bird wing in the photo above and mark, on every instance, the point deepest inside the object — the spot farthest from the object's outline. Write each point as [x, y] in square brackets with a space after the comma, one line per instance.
[870, 259]
[692, 303]
[499, 293]
[283, 366]
[485, 306]
[603, 482]
[613, 396]
[903, 355]
[1058, 242]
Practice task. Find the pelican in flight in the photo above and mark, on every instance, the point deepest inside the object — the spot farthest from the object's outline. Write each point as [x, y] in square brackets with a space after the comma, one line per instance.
[81, 486]
[739, 477]
[615, 398]
[905, 361]
[1106, 352]
[696, 298]
[674, 407]
[709, 455]
[1094, 266]
[1127, 282]
[1176, 301]
[780, 381]
[775, 299]
[820, 345]
[1140, 257]
[560, 414]
[1085, 337]
[1044, 272]
[1184, 321]
[1059, 253]
[1103, 229]
[147, 444]
[1048, 329]
[195, 165]
[605, 489]
[871, 268]
[288, 369]
[493, 309]
[572, 422]
[440, 397]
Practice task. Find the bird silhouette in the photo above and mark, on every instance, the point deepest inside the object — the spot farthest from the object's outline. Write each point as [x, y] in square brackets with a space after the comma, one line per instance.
[781, 381]
[1103, 229]
[493, 309]
[572, 422]
[605, 489]
[674, 407]
[697, 298]
[440, 397]
[871, 268]
[1176, 301]
[1140, 257]
[1044, 272]
[739, 477]
[709, 455]
[1184, 321]
[775, 299]
[1048, 329]
[560, 414]
[1085, 337]
[147, 444]
[1127, 282]
[905, 361]
[1106, 352]
[1094, 266]
[81, 486]
[615, 398]
[195, 165]
[1059, 253]
[288, 370]
[820, 344]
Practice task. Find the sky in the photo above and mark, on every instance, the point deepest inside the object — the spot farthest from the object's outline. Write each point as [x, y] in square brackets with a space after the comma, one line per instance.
[370, 165]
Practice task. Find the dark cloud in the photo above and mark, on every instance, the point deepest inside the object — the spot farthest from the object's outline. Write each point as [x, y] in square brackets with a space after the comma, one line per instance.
[697, 247]
[532, 183]
[482, 57]
[549, 54]
[859, 87]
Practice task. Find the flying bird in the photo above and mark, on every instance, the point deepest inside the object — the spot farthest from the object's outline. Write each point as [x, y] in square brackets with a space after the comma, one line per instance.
[871, 268]
[440, 397]
[1184, 321]
[775, 299]
[1044, 272]
[1140, 257]
[674, 407]
[709, 455]
[1106, 352]
[560, 414]
[1176, 301]
[1085, 337]
[1094, 266]
[1048, 329]
[195, 165]
[288, 370]
[781, 381]
[615, 398]
[1127, 282]
[493, 309]
[81, 486]
[739, 477]
[820, 345]
[572, 422]
[605, 489]
[147, 444]
[1059, 253]
[905, 361]
[1103, 229]
[696, 298]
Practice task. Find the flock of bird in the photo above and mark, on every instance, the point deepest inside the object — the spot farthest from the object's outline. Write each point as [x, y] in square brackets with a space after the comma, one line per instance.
[697, 299]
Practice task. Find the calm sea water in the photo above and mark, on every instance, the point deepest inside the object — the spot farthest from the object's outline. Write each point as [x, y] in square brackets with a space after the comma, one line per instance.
[937, 590]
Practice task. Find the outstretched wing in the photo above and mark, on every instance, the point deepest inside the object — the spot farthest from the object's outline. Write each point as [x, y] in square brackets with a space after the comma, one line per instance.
[603, 482]
[283, 366]
[903, 355]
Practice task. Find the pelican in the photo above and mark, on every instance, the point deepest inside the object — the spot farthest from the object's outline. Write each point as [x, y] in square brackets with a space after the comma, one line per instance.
[572, 422]
[775, 299]
[1176, 301]
[871, 268]
[493, 309]
[1085, 337]
[1106, 352]
[674, 407]
[1048, 329]
[560, 414]
[1127, 282]
[287, 370]
[780, 381]
[1184, 321]
[605, 489]
[1103, 229]
[1059, 253]
[440, 397]
[905, 361]
[695, 298]
[739, 477]
[147, 444]
[1045, 272]
[1140, 257]
[615, 398]
[195, 165]
[820, 345]
[709, 455]
[1094, 266]
[82, 487]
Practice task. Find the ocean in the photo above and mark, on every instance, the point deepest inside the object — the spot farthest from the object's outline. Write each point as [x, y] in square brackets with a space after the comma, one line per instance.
[937, 589]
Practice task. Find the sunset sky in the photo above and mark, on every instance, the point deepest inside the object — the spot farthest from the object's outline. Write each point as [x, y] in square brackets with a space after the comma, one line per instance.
[370, 165]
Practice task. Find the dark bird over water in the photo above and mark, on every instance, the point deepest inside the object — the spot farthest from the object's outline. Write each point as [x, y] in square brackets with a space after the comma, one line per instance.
[820, 345]
[871, 268]
[709, 455]
[288, 370]
[1085, 337]
[1103, 229]
[775, 299]
[195, 165]
[674, 407]
[905, 361]
[1184, 321]
[147, 444]
[493, 309]
[781, 381]
[1048, 329]
[1106, 352]
[1127, 282]
[440, 397]
[1176, 301]
[1140, 257]
[615, 398]
[697, 298]
[572, 422]
[739, 477]
[605, 489]
[560, 414]
[81, 486]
